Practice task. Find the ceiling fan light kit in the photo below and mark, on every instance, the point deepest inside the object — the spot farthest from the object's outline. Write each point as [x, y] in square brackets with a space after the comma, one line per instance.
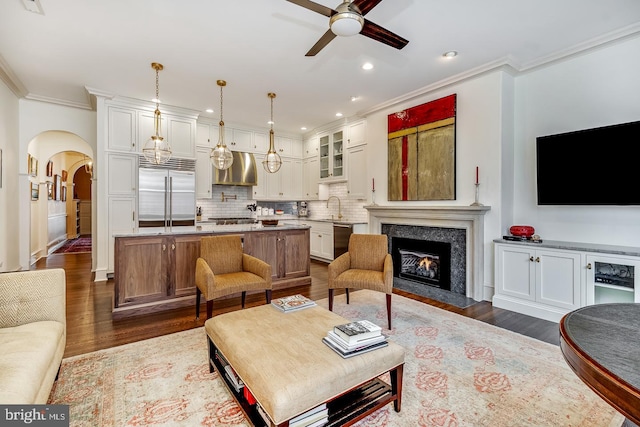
[157, 150]
[346, 22]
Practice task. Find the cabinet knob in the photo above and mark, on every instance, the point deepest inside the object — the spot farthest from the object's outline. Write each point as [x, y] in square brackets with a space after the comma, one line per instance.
[589, 266]
[164, 248]
[531, 258]
[537, 259]
[173, 247]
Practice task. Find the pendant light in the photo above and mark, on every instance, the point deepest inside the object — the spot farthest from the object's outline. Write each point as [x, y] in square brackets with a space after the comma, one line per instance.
[272, 160]
[88, 166]
[157, 150]
[221, 157]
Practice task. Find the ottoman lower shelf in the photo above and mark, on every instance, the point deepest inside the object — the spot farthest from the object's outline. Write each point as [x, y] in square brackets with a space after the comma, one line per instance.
[344, 410]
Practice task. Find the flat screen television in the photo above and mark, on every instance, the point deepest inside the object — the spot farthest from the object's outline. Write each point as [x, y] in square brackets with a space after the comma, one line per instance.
[597, 166]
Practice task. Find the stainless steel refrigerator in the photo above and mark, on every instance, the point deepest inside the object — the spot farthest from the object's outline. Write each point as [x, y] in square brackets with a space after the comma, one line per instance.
[167, 193]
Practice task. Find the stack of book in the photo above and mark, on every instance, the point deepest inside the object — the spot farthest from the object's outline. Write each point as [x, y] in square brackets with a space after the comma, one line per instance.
[315, 417]
[231, 375]
[292, 303]
[351, 339]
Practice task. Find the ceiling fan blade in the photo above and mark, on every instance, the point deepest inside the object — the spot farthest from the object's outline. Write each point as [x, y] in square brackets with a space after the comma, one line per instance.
[376, 32]
[365, 5]
[307, 4]
[320, 44]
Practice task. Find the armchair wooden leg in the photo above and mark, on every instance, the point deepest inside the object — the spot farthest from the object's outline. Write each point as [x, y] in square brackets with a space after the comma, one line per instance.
[330, 299]
[198, 293]
[389, 310]
[244, 297]
[209, 309]
[268, 295]
[347, 291]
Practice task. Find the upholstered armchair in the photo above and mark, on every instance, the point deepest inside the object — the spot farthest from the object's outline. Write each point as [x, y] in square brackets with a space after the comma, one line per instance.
[366, 265]
[224, 269]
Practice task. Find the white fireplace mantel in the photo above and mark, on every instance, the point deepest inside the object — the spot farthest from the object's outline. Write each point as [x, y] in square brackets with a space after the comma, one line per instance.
[469, 218]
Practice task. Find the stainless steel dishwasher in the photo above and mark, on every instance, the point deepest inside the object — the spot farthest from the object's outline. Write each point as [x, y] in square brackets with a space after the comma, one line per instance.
[341, 234]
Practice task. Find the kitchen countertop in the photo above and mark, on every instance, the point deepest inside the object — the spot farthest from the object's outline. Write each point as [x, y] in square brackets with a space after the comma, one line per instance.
[208, 228]
[335, 221]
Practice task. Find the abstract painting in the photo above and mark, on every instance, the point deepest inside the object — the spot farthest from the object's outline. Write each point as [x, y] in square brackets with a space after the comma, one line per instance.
[422, 151]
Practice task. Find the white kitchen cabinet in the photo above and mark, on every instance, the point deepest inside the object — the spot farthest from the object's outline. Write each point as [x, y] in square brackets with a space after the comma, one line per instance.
[321, 239]
[122, 174]
[146, 128]
[288, 147]
[203, 173]
[286, 184]
[543, 283]
[331, 147]
[357, 178]
[181, 132]
[122, 129]
[260, 191]
[310, 147]
[241, 140]
[310, 171]
[611, 279]
[356, 133]
[203, 135]
[260, 144]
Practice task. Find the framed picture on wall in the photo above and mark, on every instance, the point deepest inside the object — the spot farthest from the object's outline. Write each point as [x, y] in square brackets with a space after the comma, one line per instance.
[57, 185]
[49, 168]
[33, 166]
[50, 190]
[63, 196]
[35, 191]
[64, 176]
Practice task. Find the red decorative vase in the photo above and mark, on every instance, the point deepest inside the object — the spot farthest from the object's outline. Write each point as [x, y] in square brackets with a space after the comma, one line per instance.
[522, 230]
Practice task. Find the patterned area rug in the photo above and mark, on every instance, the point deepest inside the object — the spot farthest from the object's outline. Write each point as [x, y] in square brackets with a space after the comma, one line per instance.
[74, 246]
[458, 372]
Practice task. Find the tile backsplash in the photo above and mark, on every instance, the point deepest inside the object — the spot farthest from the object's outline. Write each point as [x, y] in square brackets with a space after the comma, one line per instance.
[237, 198]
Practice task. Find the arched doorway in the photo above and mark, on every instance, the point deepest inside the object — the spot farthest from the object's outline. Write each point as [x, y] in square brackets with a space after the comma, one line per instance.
[54, 214]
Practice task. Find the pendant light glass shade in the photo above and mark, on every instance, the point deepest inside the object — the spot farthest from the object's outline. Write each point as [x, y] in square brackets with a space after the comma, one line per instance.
[157, 150]
[272, 160]
[221, 157]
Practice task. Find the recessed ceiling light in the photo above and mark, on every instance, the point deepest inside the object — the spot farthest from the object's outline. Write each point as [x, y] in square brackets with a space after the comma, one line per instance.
[367, 66]
[303, 128]
[450, 54]
[209, 110]
[270, 122]
[354, 98]
[156, 100]
[338, 114]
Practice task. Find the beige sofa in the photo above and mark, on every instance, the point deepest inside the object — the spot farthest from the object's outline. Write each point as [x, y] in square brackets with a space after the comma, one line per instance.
[33, 332]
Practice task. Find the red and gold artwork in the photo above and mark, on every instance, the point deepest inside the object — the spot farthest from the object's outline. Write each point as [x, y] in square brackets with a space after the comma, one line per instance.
[422, 151]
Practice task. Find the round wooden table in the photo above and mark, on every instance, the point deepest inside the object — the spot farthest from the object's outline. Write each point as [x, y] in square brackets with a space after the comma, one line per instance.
[601, 343]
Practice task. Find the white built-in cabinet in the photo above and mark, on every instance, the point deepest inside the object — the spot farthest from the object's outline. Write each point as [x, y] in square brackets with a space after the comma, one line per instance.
[204, 172]
[122, 129]
[549, 279]
[357, 178]
[356, 133]
[331, 149]
[311, 170]
[321, 239]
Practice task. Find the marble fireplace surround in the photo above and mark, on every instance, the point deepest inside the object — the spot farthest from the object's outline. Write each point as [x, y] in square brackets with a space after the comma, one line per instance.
[469, 218]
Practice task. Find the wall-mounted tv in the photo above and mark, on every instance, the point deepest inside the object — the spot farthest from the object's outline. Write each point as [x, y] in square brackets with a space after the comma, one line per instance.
[597, 166]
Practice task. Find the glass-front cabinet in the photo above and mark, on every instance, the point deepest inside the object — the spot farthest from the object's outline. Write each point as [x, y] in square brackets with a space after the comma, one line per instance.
[331, 155]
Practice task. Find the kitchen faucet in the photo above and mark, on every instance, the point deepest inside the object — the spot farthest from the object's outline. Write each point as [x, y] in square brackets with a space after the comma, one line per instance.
[339, 206]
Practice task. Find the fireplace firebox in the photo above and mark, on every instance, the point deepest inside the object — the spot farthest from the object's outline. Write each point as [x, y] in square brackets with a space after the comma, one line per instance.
[423, 261]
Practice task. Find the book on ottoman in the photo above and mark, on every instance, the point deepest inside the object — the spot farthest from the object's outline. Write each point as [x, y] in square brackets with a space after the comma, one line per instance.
[292, 303]
[356, 331]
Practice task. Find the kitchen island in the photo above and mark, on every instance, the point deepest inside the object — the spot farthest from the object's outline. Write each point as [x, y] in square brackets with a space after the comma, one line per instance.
[154, 267]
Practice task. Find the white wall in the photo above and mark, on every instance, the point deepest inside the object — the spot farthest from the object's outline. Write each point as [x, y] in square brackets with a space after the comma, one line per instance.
[591, 90]
[9, 200]
[481, 131]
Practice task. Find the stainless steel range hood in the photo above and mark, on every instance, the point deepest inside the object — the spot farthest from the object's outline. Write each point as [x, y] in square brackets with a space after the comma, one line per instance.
[242, 171]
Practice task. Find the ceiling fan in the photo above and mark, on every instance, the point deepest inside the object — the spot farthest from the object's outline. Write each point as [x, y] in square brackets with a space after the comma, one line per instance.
[347, 20]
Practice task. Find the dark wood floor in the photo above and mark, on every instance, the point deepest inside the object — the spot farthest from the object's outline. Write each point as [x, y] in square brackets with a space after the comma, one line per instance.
[90, 326]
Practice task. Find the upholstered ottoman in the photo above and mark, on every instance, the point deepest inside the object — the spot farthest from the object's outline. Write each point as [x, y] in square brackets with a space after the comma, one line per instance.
[281, 359]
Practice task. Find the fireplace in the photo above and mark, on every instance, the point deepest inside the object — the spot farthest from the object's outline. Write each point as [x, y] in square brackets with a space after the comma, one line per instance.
[422, 261]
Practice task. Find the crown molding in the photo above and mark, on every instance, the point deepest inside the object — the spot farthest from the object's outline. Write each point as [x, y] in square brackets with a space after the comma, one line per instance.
[11, 80]
[57, 101]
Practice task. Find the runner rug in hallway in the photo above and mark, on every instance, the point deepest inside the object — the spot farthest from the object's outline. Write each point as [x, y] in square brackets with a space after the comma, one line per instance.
[74, 246]
[458, 372]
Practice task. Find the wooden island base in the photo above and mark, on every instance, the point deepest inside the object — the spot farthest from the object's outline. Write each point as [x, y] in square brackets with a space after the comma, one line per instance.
[157, 272]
